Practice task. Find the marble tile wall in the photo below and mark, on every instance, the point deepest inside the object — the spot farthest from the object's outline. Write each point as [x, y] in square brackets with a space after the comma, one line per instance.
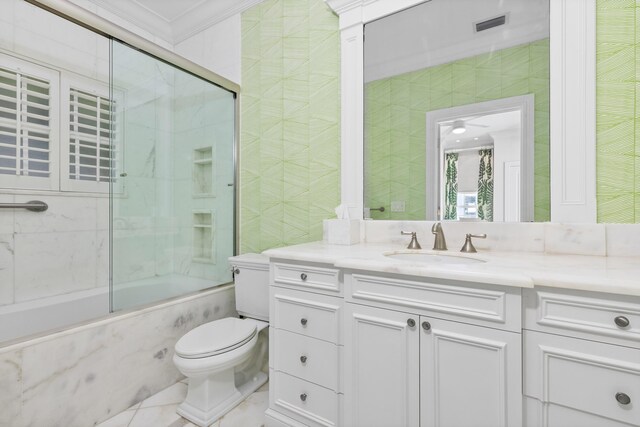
[62, 250]
[65, 248]
[85, 375]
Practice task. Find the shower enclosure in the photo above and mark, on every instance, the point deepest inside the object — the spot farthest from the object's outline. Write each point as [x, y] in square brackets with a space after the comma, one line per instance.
[172, 195]
[135, 160]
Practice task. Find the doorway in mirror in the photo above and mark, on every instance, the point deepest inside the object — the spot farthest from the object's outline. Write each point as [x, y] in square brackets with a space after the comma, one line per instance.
[480, 161]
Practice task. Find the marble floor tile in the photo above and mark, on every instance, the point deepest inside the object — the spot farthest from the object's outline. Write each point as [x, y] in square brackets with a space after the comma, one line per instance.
[173, 395]
[121, 420]
[159, 410]
[249, 413]
[160, 416]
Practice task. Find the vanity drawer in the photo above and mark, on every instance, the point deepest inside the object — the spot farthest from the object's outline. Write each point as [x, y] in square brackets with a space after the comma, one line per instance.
[307, 276]
[305, 402]
[307, 358]
[603, 315]
[484, 305]
[305, 313]
[588, 376]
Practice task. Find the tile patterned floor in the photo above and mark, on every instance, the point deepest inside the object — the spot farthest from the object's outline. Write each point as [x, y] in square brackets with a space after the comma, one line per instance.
[159, 410]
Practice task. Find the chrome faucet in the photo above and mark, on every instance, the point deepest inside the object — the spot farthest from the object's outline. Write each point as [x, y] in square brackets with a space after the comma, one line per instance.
[439, 243]
[414, 240]
[468, 244]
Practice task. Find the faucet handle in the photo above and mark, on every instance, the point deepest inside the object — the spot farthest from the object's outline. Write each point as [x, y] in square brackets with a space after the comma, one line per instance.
[414, 240]
[468, 244]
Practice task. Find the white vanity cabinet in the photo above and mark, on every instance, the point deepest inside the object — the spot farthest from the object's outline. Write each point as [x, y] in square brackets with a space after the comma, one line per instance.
[357, 348]
[305, 344]
[405, 365]
[382, 367]
[581, 359]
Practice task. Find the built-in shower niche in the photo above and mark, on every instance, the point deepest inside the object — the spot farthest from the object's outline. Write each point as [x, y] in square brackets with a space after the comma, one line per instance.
[203, 172]
[203, 237]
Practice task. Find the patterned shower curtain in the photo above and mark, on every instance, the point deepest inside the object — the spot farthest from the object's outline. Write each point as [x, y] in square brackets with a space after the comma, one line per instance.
[485, 186]
[451, 186]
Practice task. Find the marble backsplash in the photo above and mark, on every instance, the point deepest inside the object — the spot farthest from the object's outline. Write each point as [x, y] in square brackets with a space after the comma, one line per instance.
[578, 239]
[84, 375]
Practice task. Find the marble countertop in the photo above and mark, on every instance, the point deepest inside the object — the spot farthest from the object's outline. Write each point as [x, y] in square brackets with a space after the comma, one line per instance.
[618, 275]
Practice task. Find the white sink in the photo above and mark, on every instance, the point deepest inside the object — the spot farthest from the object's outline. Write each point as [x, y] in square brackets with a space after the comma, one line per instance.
[432, 257]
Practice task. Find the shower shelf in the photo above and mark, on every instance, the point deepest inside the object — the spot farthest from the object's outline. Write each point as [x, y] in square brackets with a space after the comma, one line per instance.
[203, 176]
[203, 237]
[203, 161]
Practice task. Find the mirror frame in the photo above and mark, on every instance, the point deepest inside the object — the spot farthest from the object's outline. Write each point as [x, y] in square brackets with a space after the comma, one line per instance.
[572, 127]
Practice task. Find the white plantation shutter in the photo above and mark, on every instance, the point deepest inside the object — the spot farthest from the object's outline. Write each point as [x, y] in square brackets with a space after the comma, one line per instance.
[90, 137]
[28, 124]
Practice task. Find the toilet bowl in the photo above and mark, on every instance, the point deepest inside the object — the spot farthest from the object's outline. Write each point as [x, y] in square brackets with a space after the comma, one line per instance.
[223, 359]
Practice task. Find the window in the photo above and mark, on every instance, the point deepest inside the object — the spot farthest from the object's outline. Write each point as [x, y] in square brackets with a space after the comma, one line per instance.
[88, 136]
[28, 125]
[467, 205]
[57, 130]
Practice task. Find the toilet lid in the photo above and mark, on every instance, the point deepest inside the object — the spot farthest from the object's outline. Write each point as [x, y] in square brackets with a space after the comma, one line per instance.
[215, 337]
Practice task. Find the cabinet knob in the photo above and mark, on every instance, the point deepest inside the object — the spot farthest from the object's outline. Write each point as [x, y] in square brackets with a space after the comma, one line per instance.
[303, 359]
[236, 271]
[303, 277]
[623, 398]
[426, 326]
[411, 323]
[303, 321]
[303, 397]
[621, 321]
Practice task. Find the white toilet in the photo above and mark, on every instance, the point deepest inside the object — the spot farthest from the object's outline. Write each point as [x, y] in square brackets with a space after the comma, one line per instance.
[222, 360]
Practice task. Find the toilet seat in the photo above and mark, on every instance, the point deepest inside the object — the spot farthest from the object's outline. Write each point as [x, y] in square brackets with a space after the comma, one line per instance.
[217, 337]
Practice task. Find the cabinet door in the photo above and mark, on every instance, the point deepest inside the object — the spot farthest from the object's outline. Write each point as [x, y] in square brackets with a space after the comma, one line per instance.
[469, 375]
[381, 368]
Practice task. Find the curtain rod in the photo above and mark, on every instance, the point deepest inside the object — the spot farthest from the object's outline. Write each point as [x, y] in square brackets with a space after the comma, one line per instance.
[460, 150]
[93, 22]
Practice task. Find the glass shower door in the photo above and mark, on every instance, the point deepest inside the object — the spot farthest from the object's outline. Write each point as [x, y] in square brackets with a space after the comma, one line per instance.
[172, 203]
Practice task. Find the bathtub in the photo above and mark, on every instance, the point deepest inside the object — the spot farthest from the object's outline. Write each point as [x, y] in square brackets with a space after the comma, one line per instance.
[45, 315]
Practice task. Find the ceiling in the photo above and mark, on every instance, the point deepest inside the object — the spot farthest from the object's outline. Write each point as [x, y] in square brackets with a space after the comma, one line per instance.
[493, 123]
[441, 31]
[175, 20]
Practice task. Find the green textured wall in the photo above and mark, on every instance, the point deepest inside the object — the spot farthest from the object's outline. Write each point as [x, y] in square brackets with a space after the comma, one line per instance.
[618, 115]
[395, 121]
[289, 121]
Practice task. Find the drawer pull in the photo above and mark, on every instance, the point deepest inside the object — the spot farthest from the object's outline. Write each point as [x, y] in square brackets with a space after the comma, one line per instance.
[621, 321]
[303, 277]
[303, 397]
[426, 326]
[623, 398]
[411, 323]
[303, 321]
[236, 271]
[303, 359]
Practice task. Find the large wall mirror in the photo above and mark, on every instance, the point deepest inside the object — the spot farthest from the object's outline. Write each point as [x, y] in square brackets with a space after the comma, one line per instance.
[456, 112]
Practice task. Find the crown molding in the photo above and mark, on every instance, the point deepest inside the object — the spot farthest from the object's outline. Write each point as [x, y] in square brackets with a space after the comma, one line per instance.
[358, 12]
[207, 15]
[183, 26]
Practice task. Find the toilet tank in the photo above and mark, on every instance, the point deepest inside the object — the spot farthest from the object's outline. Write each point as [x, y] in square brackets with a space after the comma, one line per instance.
[252, 285]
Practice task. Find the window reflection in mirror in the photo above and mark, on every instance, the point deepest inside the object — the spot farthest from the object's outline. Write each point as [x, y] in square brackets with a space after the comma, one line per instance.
[432, 73]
